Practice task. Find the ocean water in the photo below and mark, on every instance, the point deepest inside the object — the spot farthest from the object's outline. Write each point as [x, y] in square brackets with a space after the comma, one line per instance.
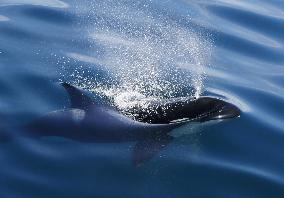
[131, 50]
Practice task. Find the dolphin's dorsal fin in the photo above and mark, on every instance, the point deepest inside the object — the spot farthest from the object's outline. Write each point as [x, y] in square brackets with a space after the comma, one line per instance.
[145, 150]
[78, 97]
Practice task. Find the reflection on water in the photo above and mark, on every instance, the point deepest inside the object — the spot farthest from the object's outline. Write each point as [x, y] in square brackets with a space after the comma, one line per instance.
[48, 3]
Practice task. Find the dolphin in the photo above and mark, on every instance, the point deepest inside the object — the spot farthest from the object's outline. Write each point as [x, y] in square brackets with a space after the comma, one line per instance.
[87, 120]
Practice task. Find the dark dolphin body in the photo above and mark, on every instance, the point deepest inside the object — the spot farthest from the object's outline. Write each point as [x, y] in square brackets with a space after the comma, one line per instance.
[88, 121]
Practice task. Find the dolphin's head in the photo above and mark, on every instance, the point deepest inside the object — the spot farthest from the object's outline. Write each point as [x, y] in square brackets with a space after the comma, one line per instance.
[207, 108]
[181, 110]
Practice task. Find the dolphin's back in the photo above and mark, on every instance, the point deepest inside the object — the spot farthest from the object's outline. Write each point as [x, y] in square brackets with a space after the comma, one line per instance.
[94, 124]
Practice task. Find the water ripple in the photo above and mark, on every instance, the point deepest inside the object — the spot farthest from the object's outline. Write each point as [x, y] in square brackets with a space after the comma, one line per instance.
[268, 25]
[48, 3]
[253, 171]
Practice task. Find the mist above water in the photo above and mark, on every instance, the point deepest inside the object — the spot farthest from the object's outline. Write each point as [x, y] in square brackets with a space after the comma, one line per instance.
[147, 54]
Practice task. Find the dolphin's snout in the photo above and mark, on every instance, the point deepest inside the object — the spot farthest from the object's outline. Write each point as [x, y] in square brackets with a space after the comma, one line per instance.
[225, 111]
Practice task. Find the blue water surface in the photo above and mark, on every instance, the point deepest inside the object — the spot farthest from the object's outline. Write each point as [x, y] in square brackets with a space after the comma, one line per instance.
[240, 47]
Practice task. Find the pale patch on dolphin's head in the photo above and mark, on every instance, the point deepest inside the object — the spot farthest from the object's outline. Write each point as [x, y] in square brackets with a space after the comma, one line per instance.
[78, 115]
[4, 18]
